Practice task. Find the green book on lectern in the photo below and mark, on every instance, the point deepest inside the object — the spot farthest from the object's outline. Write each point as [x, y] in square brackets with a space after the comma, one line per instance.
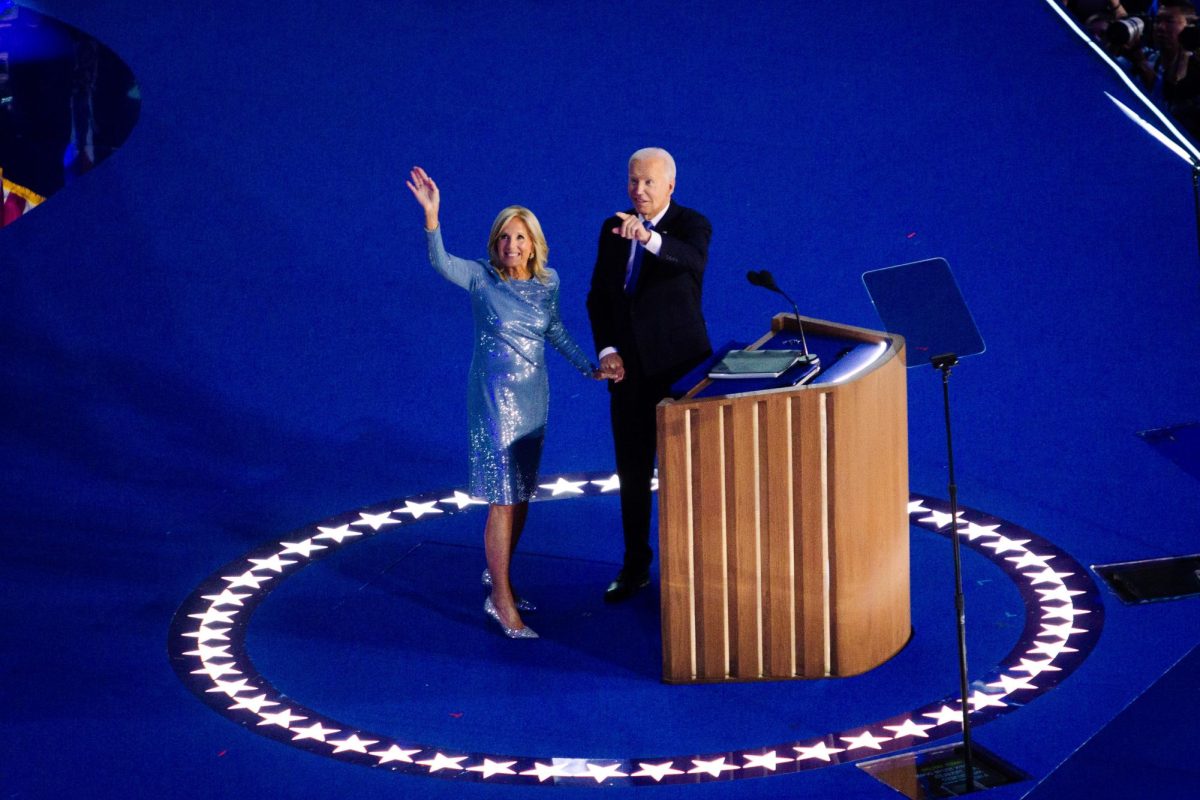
[755, 363]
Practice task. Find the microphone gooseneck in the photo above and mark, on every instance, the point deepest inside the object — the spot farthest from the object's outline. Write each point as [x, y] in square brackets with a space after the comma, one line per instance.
[766, 280]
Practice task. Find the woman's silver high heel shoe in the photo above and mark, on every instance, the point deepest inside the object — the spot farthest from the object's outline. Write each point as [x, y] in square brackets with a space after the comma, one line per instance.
[522, 603]
[513, 633]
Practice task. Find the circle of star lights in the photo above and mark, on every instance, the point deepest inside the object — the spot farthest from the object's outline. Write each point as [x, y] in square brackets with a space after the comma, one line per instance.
[207, 646]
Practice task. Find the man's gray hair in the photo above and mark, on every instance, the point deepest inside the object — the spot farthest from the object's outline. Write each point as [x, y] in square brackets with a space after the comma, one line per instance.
[652, 153]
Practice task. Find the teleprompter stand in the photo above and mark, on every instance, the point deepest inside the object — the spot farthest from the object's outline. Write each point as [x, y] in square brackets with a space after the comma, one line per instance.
[921, 301]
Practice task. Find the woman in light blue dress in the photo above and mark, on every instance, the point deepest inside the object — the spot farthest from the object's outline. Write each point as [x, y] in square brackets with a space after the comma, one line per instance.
[514, 301]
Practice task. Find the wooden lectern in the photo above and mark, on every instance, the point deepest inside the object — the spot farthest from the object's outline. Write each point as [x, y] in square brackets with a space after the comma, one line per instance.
[783, 520]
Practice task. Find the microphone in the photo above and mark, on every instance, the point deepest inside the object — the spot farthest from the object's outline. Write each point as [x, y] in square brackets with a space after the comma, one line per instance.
[766, 280]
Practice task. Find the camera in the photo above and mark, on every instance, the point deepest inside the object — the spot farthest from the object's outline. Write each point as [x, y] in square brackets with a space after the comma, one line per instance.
[1129, 32]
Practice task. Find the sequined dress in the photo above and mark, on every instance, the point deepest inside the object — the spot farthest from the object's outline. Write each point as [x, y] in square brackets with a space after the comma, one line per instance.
[507, 388]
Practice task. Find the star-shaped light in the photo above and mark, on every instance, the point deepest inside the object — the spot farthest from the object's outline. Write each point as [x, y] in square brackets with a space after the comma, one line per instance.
[768, 761]
[443, 761]
[1067, 612]
[563, 486]
[338, 534]
[983, 700]
[1062, 630]
[654, 482]
[489, 768]
[394, 753]
[284, 719]
[819, 750]
[1035, 668]
[274, 563]
[1011, 683]
[214, 671]
[418, 510]
[213, 615]
[1058, 594]
[231, 688]
[864, 739]
[207, 634]
[207, 652]
[974, 531]
[246, 579]
[315, 731]
[1003, 544]
[1051, 649]
[656, 771]
[602, 772]
[940, 519]
[1046, 576]
[352, 744]
[1030, 559]
[302, 548]
[909, 728]
[556, 769]
[916, 506]
[255, 704]
[225, 598]
[375, 521]
[946, 715]
[712, 767]
[609, 484]
[462, 500]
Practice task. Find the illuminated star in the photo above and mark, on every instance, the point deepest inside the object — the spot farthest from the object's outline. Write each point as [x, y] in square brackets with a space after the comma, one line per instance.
[712, 767]
[915, 506]
[376, 521]
[255, 704]
[768, 761]
[656, 771]
[462, 500]
[1011, 683]
[603, 773]
[1035, 668]
[225, 598]
[213, 615]
[1067, 612]
[231, 688]
[490, 768]
[208, 652]
[304, 548]
[974, 531]
[983, 700]
[946, 715]
[442, 761]
[338, 534]
[1029, 559]
[1003, 544]
[940, 519]
[246, 579]
[352, 744]
[214, 671]
[544, 771]
[283, 719]
[1052, 649]
[394, 753]
[864, 739]
[418, 510]
[1046, 576]
[609, 484]
[1063, 630]
[909, 728]
[1061, 594]
[206, 634]
[654, 482]
[819, 750]
[274, 563]
[315, 731]
[563, 486]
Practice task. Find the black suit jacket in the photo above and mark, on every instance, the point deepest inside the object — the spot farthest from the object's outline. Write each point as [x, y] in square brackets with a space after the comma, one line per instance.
[661, 324]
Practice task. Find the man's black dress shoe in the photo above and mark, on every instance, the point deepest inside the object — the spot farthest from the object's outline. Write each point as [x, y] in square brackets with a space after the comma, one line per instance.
[626, 586]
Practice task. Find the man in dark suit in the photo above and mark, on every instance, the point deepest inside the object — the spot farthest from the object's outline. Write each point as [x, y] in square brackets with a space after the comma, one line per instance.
[644, 306]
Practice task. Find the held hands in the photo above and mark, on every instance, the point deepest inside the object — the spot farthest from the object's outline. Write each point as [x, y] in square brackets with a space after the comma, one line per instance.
[611, 368]
[427, 194]
[632, 228]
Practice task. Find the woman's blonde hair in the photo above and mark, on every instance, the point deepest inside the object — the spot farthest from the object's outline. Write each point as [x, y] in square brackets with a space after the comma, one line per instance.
[541, 250]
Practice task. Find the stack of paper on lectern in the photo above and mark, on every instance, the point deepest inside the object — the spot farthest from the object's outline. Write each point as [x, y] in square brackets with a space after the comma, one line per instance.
[755, 363]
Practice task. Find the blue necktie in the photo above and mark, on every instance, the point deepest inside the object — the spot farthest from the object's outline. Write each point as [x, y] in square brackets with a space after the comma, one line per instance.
[635, 266]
